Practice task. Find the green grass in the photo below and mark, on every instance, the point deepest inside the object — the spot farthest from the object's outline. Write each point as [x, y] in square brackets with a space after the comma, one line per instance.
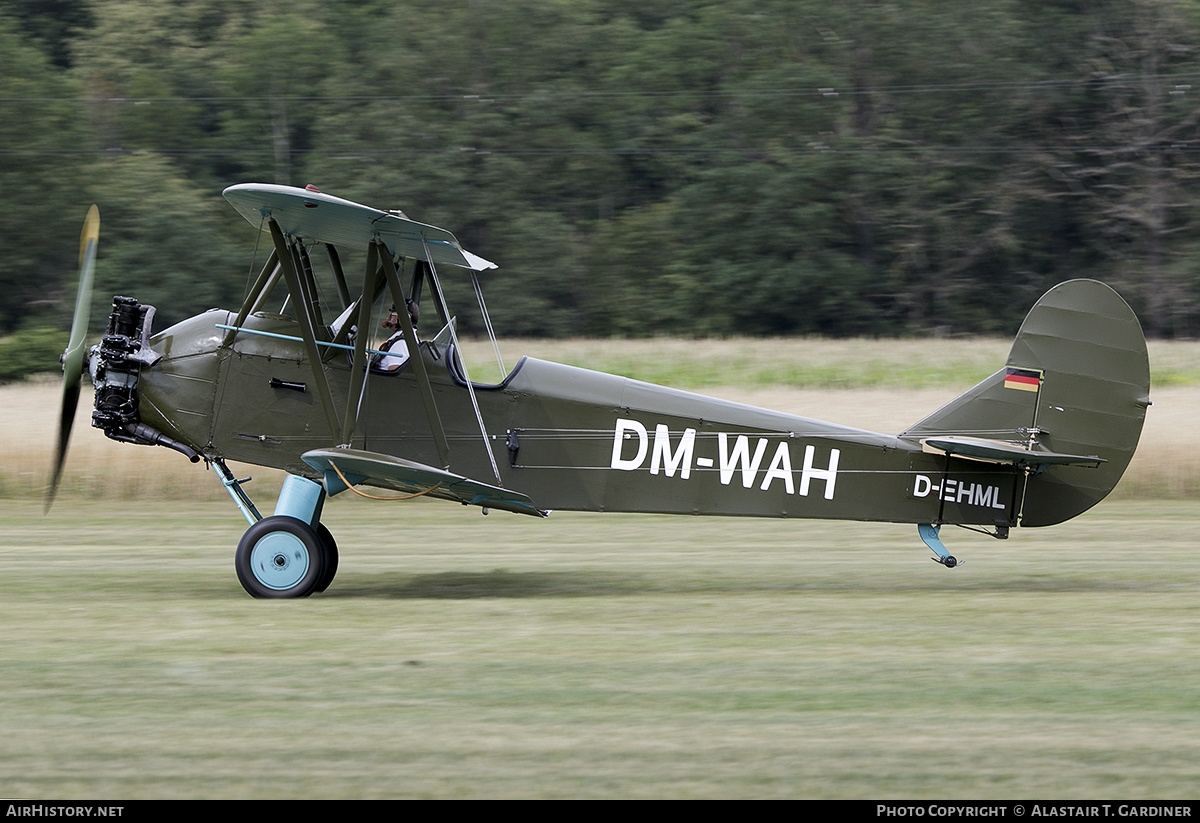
[599, 656]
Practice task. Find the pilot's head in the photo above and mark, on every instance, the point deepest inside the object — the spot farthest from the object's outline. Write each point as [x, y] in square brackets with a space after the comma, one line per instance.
[393, 319]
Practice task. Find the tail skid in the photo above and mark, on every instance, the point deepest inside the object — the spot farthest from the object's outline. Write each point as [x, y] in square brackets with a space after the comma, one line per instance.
[930, 534]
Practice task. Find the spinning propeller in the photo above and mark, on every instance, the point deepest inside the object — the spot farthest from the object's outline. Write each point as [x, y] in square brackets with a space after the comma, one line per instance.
[73, 357]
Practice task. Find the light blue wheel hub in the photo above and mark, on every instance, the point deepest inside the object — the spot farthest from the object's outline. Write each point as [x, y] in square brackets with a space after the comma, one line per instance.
[279, 560]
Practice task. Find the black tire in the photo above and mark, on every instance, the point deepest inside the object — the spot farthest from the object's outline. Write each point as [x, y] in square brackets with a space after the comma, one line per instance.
[331, 558]
[280, 557]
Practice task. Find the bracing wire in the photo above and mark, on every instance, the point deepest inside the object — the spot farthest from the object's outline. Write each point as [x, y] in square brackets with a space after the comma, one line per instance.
[487, 446]
[487, 322]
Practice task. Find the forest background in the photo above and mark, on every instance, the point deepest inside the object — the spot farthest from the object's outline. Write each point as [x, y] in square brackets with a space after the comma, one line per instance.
[680, 167]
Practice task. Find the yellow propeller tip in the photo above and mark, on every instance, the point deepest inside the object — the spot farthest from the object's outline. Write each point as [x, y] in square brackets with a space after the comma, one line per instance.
[91, 230]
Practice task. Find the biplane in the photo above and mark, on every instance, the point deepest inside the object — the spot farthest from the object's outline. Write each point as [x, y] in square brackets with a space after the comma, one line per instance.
[310, 389]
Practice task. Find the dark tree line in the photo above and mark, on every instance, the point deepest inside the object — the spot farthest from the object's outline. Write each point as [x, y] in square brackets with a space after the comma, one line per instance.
[735, 167]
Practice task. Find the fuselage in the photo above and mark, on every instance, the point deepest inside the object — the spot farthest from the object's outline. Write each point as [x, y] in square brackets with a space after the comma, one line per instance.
[569, 438]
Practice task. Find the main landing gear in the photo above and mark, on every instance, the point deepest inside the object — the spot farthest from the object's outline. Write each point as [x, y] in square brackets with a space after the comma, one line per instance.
[281, 556]
[291, 553]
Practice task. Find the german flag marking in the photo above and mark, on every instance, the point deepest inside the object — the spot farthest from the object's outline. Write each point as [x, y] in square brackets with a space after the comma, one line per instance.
[1022, 379]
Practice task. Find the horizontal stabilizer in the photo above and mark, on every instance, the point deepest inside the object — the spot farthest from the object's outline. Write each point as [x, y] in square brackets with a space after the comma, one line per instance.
[398, 474]
[994, 451]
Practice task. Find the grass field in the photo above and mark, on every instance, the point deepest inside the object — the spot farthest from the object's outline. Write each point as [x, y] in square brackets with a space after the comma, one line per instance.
[600, 656]
[597, 655]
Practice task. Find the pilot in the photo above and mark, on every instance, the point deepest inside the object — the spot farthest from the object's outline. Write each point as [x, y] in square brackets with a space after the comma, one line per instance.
[395, 346]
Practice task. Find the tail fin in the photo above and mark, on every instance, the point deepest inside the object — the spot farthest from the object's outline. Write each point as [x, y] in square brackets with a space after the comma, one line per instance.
[1077, 382]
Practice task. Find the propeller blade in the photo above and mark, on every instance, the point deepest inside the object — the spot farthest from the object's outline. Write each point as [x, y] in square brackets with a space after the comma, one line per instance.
[72, 358]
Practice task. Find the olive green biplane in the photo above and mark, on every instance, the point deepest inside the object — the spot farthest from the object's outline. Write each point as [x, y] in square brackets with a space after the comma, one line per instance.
[307, 389]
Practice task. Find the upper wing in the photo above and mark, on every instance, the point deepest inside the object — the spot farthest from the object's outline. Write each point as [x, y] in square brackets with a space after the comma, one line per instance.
[402, 475]
[303, 213]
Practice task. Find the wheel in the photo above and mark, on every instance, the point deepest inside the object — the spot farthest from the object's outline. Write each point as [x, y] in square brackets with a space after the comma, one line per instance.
[331, 558]
[280, 557]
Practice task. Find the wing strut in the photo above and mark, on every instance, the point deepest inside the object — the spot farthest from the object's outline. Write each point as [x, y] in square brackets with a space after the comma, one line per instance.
[358, 368]
[335, 263]
[410, 337]
[307, 326]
